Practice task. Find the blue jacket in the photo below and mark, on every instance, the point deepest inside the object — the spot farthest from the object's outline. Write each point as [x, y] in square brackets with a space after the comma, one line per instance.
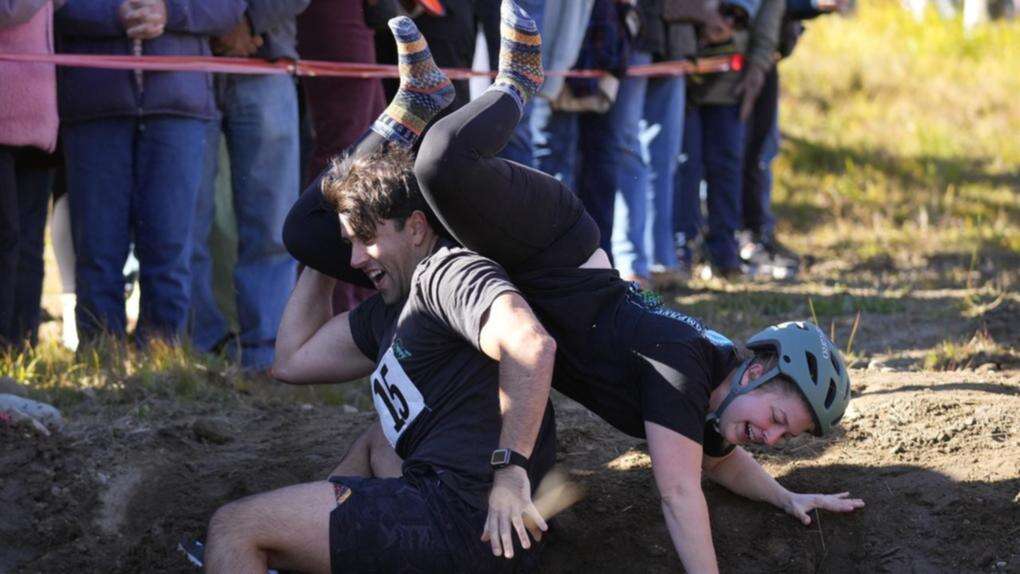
[92, 27]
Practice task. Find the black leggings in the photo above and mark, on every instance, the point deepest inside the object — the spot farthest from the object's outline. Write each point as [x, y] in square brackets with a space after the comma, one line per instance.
[521, 218]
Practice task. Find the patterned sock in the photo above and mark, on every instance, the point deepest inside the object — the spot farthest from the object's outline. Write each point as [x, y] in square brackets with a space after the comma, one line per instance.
[424, 88]
[520, 55]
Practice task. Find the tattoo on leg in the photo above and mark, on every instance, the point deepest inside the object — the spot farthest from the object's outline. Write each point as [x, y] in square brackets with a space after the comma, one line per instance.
[341, 492]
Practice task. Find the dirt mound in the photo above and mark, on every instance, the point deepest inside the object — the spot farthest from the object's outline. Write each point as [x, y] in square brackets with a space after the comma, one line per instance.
[935, 456]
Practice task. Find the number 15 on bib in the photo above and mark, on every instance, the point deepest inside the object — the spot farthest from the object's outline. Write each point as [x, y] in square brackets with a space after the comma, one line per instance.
[397, 400]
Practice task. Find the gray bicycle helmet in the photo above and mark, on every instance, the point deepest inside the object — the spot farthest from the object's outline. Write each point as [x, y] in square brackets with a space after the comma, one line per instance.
[809, 359]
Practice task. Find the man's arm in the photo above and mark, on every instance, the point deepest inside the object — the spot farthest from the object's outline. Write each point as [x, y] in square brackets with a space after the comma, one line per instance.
[676, 465]
[313, 346]
[741, 474]
[512, 335]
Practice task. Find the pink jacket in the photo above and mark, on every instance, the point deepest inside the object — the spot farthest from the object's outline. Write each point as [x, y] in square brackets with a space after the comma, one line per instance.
[28, 92]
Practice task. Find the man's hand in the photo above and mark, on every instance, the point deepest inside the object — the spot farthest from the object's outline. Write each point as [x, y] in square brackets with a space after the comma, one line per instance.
[142, 19]
[238, 43]
[510, 504]
[799, 505]
[749, 87]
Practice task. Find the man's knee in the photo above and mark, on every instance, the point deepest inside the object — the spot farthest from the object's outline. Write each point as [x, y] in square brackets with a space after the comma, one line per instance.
[228, 521]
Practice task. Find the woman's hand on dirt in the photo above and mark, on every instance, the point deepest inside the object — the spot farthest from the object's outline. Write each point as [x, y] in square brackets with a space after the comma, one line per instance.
[800, 505]
[511, 509]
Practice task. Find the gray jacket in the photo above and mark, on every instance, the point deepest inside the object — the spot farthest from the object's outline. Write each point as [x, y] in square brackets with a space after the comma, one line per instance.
[758, 44]
[274, 20]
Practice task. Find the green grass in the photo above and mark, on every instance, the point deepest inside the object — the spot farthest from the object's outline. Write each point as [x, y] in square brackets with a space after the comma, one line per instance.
[953, 355]
[115, 372]
[901, 137]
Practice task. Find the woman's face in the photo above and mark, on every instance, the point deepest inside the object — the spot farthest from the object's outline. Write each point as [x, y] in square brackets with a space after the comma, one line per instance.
[764, 416]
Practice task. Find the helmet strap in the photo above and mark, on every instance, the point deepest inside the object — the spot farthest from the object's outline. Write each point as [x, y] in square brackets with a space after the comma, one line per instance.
[737, 390]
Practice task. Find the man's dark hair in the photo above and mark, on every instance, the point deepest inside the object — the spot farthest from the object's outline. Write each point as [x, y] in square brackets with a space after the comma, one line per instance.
[374, 188]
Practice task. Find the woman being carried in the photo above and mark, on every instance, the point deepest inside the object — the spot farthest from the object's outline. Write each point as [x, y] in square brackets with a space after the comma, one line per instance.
[648, 370]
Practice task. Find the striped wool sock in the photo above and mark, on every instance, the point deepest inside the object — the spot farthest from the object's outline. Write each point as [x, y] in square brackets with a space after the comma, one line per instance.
[424, 88]
[520, 55]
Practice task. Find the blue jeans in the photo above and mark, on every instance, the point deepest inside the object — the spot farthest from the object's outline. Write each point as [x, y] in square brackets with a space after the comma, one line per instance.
[644, 217]
[133, 179]
[713, 152]
[519, 147]
[261, 127]
[580, 151]
[631, 178]
[664, 108]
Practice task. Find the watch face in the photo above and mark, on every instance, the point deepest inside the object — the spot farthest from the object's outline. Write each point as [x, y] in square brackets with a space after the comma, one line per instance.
[500, 457]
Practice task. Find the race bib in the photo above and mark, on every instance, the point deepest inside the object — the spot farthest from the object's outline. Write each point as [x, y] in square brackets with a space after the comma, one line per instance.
[396, 398]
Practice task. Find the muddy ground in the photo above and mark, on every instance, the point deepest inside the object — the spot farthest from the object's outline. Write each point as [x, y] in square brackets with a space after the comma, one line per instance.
[936, 456]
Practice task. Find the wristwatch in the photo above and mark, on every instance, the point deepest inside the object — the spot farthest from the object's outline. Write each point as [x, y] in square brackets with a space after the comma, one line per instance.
[504, 457]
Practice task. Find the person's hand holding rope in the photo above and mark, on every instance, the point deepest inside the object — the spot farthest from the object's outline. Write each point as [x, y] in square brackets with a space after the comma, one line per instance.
[142, 19]
[241, 42]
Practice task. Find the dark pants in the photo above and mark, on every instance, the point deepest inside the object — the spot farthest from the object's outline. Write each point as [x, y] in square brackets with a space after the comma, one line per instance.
[522, 218]
[761, 145]
[413, 523]
[25, 182]
[340, 108]
[713, 152]
[519, 147]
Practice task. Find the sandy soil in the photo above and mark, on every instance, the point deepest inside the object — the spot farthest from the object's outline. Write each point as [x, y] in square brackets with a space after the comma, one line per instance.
[935, 455]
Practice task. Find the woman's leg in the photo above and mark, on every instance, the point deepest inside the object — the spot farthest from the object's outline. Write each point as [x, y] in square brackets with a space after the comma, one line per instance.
[520, 217]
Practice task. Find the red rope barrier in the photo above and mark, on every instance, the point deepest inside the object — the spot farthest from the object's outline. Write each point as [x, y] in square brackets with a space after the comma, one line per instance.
[315, 68]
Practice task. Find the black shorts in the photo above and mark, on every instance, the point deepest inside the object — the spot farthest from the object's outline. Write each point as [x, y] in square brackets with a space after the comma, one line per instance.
[411, 525]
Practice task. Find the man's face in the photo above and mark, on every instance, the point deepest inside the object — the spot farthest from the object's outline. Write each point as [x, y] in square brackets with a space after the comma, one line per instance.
[388, 258]
[764, 416]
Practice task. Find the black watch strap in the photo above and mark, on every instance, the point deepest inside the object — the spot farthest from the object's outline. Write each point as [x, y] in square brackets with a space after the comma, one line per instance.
[504, 457]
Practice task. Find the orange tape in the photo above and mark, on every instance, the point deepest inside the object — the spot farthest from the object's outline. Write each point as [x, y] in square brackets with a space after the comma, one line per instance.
[316, 68]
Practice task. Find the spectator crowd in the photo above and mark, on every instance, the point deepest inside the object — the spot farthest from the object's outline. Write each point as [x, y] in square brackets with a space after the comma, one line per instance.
[141, 165]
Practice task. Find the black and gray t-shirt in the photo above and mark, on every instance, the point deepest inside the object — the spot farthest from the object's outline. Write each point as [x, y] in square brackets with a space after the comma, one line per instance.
[628, 358]
[436, 392]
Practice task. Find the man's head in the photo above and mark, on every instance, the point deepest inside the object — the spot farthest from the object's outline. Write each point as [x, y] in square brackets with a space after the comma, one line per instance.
[796, 381]
[384, 216]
